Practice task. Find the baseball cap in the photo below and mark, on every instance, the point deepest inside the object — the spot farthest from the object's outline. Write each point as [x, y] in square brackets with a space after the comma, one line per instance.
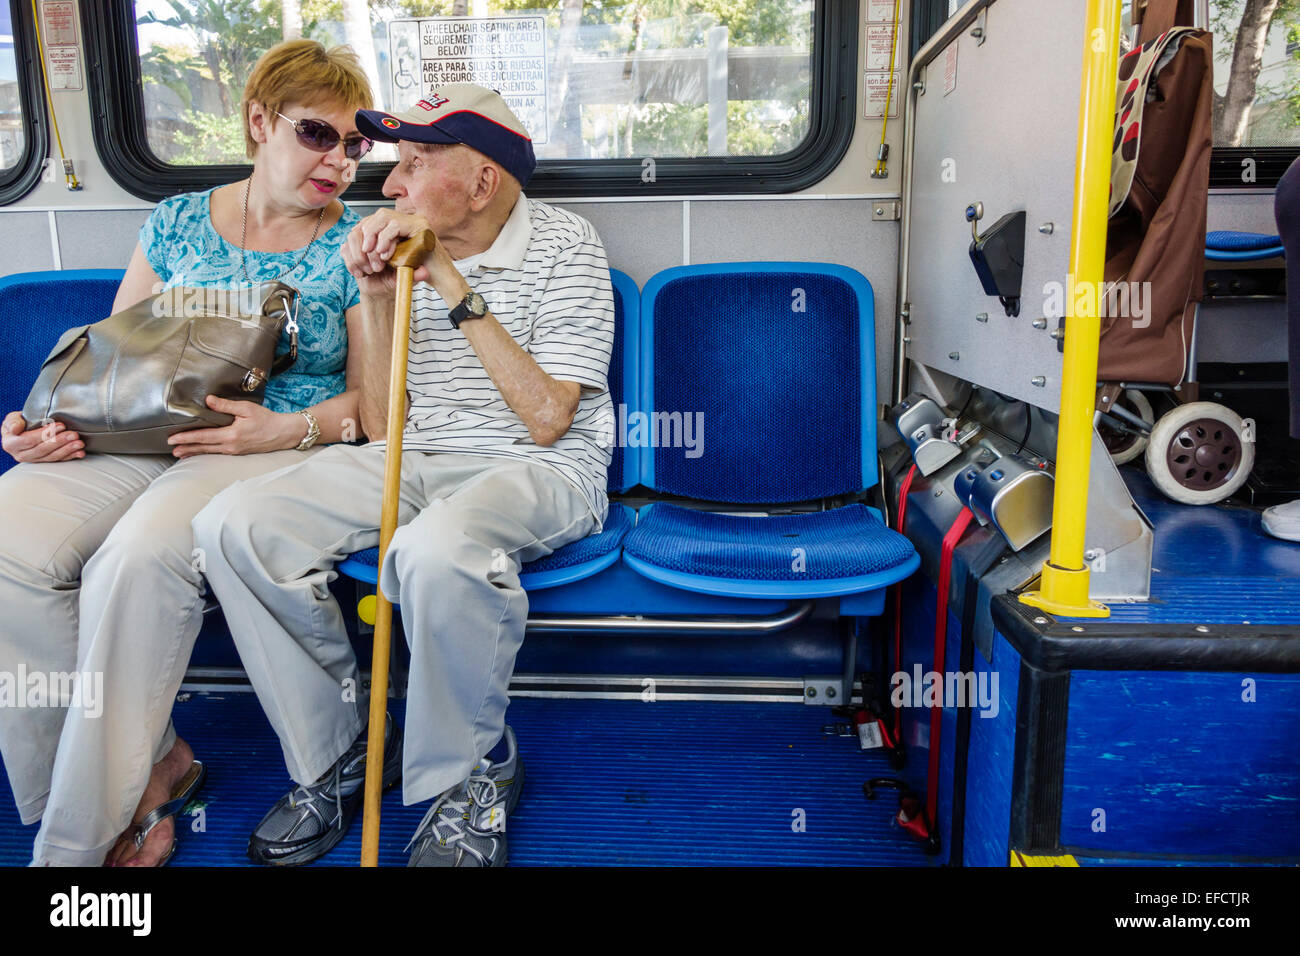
[459, 113]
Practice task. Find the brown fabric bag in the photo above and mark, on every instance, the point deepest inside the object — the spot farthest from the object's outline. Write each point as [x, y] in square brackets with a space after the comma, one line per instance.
[1157, 235]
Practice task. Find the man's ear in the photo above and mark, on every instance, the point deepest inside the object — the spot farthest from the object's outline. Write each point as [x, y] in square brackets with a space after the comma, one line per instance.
[486, 184]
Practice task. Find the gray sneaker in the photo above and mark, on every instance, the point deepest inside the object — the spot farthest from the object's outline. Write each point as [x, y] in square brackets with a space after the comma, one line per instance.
[308, 821]
[466, 826]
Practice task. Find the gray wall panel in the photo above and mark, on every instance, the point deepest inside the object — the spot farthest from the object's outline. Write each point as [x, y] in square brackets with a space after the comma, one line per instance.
[1243, 212]
[1019, 155]
[101, 239]
[26, 244]
[1242, 332]
[640, 238]
[828, 230]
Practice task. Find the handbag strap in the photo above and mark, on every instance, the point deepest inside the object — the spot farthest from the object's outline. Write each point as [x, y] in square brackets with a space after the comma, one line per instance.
[1161, 16]
[283, 363]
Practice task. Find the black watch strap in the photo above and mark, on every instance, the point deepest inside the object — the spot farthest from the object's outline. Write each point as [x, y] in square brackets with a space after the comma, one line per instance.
[470, 307]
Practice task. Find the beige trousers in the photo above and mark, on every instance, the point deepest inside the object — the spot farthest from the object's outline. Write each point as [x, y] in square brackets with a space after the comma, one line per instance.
[99, 577]
[467, 524]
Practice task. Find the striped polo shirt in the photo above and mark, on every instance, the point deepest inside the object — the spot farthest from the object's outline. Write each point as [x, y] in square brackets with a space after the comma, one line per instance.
[546, 280]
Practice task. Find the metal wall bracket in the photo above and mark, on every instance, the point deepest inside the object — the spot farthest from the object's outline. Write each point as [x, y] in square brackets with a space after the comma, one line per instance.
[887, 210]
[823, 691]
[980, 31]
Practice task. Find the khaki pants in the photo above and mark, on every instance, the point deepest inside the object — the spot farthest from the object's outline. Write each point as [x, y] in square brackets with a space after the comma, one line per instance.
[466, 525]
[98, 576]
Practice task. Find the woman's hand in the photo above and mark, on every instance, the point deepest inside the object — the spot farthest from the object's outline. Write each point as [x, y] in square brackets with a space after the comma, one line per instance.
[52, 442]
[255, 429]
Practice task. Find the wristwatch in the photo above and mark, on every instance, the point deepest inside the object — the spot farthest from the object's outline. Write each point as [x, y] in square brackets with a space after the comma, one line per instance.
[471, 307]
[313, 432]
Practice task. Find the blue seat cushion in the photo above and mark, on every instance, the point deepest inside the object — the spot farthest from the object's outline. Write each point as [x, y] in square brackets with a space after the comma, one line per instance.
[593, 553]
[1240, 241]
[820, 554]
[1224, 246]
[573, 562]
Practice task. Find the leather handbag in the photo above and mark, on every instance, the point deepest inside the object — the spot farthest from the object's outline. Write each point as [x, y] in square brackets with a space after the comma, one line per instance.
[128, 382]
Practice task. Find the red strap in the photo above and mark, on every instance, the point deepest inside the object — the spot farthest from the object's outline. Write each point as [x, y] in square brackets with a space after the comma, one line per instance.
[904, 490]
[940, 641]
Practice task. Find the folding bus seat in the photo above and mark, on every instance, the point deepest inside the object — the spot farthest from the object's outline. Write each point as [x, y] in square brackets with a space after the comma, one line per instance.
[775, 365]
[584, 558]
[1227, 246]
[35, 309]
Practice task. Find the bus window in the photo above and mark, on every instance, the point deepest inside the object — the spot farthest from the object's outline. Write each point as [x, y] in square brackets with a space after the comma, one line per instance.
[12, 138]
[1256, 73]
[22, 116]
[637, 93]
[1256, 103]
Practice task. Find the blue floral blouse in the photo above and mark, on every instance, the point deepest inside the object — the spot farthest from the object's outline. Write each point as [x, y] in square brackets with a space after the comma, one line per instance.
[185, 250]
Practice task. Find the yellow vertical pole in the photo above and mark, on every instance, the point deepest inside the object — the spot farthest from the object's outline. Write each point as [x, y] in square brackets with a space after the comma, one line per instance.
[408, 257]
[1063, 589]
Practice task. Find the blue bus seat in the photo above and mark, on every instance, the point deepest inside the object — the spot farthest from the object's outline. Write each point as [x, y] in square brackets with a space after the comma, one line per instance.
[1227, 246]
[843, 551]
[778, 361]
[573, 562]
[593, 554]
[35, 309]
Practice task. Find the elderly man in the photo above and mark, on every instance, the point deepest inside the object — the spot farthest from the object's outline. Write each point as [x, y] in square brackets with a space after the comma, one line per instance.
[504, 460]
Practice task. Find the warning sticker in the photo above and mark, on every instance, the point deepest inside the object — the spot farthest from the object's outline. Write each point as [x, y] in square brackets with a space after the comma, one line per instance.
[950, 68]
[874, 94]
[880, 44]
[65, 67]
[506, 54]
[60, 22]
[882, 11]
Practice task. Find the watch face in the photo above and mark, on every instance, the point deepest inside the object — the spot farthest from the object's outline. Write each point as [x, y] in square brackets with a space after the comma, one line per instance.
[474, 302]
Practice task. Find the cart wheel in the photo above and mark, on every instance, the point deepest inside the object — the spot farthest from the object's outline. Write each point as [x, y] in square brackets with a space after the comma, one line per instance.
[1197, 453]
[1125, 446]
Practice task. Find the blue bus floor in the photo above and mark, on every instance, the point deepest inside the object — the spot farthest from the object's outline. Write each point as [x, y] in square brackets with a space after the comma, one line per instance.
[620, 783]
[1212, 564]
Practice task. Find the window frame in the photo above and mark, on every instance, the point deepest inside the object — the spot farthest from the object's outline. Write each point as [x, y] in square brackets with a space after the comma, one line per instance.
[118, 122]
[17, 182]
[927, 17]
[1270, 163]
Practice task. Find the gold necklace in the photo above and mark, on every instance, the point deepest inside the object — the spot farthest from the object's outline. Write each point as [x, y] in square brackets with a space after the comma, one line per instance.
[243, 237]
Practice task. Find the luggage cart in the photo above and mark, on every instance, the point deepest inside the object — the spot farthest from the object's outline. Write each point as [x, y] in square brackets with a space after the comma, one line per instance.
[1195, 452]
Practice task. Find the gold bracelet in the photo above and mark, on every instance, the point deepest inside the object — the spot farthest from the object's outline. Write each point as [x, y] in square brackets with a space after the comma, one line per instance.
[313, 431]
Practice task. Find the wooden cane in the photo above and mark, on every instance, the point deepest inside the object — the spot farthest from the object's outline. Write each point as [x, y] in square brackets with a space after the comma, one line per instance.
[408, 257]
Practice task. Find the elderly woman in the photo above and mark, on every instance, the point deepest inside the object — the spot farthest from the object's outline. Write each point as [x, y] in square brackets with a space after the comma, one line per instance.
[98, 573]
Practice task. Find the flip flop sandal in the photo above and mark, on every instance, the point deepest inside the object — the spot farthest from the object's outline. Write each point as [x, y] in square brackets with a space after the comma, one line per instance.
[182, 794]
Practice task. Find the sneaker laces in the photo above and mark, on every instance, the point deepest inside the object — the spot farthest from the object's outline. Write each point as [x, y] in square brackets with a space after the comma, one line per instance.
[479, 790]
[313, 793]
[310, 794]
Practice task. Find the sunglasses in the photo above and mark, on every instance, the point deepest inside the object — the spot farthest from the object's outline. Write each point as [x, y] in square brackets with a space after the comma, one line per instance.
[321, 137]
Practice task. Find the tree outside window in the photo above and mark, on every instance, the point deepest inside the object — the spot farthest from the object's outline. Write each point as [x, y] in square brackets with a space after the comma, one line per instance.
[626, 78]
[1256, 72]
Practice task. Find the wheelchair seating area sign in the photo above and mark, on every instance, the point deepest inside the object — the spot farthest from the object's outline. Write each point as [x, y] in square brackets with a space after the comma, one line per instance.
[506, 54]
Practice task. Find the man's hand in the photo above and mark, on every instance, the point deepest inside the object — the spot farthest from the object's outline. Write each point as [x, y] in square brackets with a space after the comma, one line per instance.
[51, 442]
[372, 243]
[255, 429]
